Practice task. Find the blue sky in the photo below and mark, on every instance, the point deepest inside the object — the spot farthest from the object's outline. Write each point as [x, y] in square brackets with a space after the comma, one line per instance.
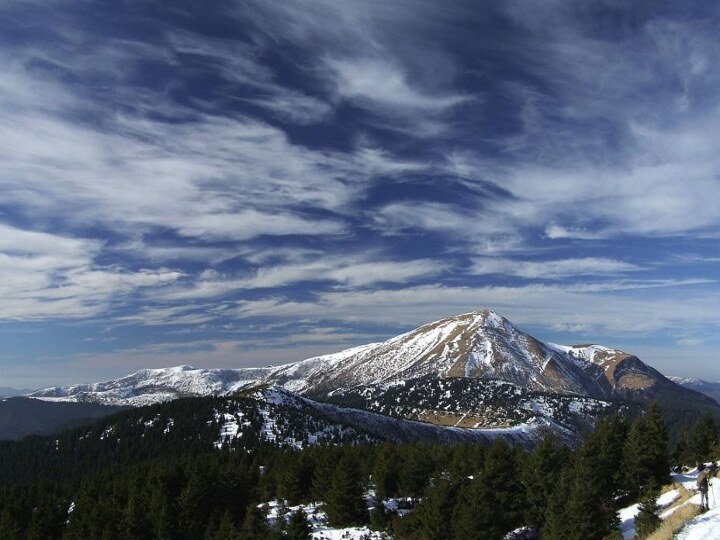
[237, 183]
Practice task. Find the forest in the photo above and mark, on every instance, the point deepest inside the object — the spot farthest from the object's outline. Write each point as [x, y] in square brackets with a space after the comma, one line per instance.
[197, 491]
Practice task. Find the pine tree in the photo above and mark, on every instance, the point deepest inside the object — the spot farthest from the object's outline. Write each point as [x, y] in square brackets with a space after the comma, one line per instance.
[195, 501]
[325, 465]
[490, 505]
[433, 514]
[10, 526]
[255, 525]
[590, 512]
[294, 480]
[345, 504]
[540, 474]
[379, 517]
[135, 524]
[298, 527]
[501, 481]
[385, 472]
[703, 439]
[415, 470]
[556, 520]
[226, 529]
[657, 447]
[44, 523]
[646, 460]
[647, 519]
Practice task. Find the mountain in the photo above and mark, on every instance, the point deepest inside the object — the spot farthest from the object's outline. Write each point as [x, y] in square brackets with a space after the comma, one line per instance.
[21, 416]
[263, 417]
[475, 370]
[479, 345]
[6, 391]
[149, 386]
[710, 389]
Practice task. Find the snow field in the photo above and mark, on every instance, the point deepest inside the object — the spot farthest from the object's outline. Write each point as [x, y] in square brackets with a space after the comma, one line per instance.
[706, 526]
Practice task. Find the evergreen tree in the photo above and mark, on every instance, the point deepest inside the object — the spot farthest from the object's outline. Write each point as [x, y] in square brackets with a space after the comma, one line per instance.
[226, 529]
[255, 525]
[612, 435]
[295, 472]
[298, 527]
[195, 501]
[646, 459]
[433, 515]
[325, 465]
[473, 512]
[703, 439]
[10, 526]
[647, 519]
[44, 523]
[345, 505]
[491, 505]
[540, 474]
[135, 525]
[590, 511]
[415, 470]
[385, 472]
[380, 517]
[556, 521]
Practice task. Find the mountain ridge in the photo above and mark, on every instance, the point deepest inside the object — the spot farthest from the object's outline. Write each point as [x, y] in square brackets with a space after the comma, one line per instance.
[480, 344]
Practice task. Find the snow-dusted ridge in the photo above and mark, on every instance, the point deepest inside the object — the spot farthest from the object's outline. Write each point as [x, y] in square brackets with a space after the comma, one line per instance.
[477, 345]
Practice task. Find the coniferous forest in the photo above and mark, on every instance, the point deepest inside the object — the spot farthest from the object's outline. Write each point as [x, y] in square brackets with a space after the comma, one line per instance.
[184, 487]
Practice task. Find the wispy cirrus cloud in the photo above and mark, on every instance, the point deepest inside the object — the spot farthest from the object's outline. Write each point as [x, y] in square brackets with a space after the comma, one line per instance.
[552, 269]
[44, 275]
[351, 271]
[593, 311]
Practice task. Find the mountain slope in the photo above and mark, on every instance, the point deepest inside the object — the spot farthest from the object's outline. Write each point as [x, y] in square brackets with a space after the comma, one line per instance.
[149, 386]
[21, 416]
[478, 345]
[710, 389]
[259, 418]
[564, 388]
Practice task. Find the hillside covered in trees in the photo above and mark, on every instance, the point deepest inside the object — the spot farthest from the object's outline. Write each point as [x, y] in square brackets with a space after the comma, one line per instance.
[159, 472]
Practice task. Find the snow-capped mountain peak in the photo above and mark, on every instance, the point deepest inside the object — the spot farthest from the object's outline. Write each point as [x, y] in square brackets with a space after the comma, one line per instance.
[479, 345]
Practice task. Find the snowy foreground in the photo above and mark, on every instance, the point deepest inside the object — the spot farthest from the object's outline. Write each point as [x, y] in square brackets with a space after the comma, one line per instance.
[706, 526]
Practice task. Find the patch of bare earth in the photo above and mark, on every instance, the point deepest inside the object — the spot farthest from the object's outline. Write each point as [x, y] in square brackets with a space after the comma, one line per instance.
[675, 522]
[458, 420]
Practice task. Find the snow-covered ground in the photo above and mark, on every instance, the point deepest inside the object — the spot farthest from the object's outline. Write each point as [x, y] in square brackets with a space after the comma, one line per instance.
[706, 526]
[318, 520]
[628, 514]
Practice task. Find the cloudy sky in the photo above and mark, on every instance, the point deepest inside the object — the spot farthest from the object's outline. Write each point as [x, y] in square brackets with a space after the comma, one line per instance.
[233, 183]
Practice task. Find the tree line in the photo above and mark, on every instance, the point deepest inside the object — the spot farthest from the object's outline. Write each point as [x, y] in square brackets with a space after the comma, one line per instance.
[462, 491]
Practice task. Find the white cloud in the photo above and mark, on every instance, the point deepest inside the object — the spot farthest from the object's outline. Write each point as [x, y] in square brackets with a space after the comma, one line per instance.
[555, 232]
[46, 275]
[554, 307]
[251, 223]
[551, 269]
[224, 177]
[378, 83]
[350, 271]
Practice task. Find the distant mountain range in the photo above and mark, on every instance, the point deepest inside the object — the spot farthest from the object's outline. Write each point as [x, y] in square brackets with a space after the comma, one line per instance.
[478, 345]
[22, 416]
[476, 370]
[6, 391]
[711, 389]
